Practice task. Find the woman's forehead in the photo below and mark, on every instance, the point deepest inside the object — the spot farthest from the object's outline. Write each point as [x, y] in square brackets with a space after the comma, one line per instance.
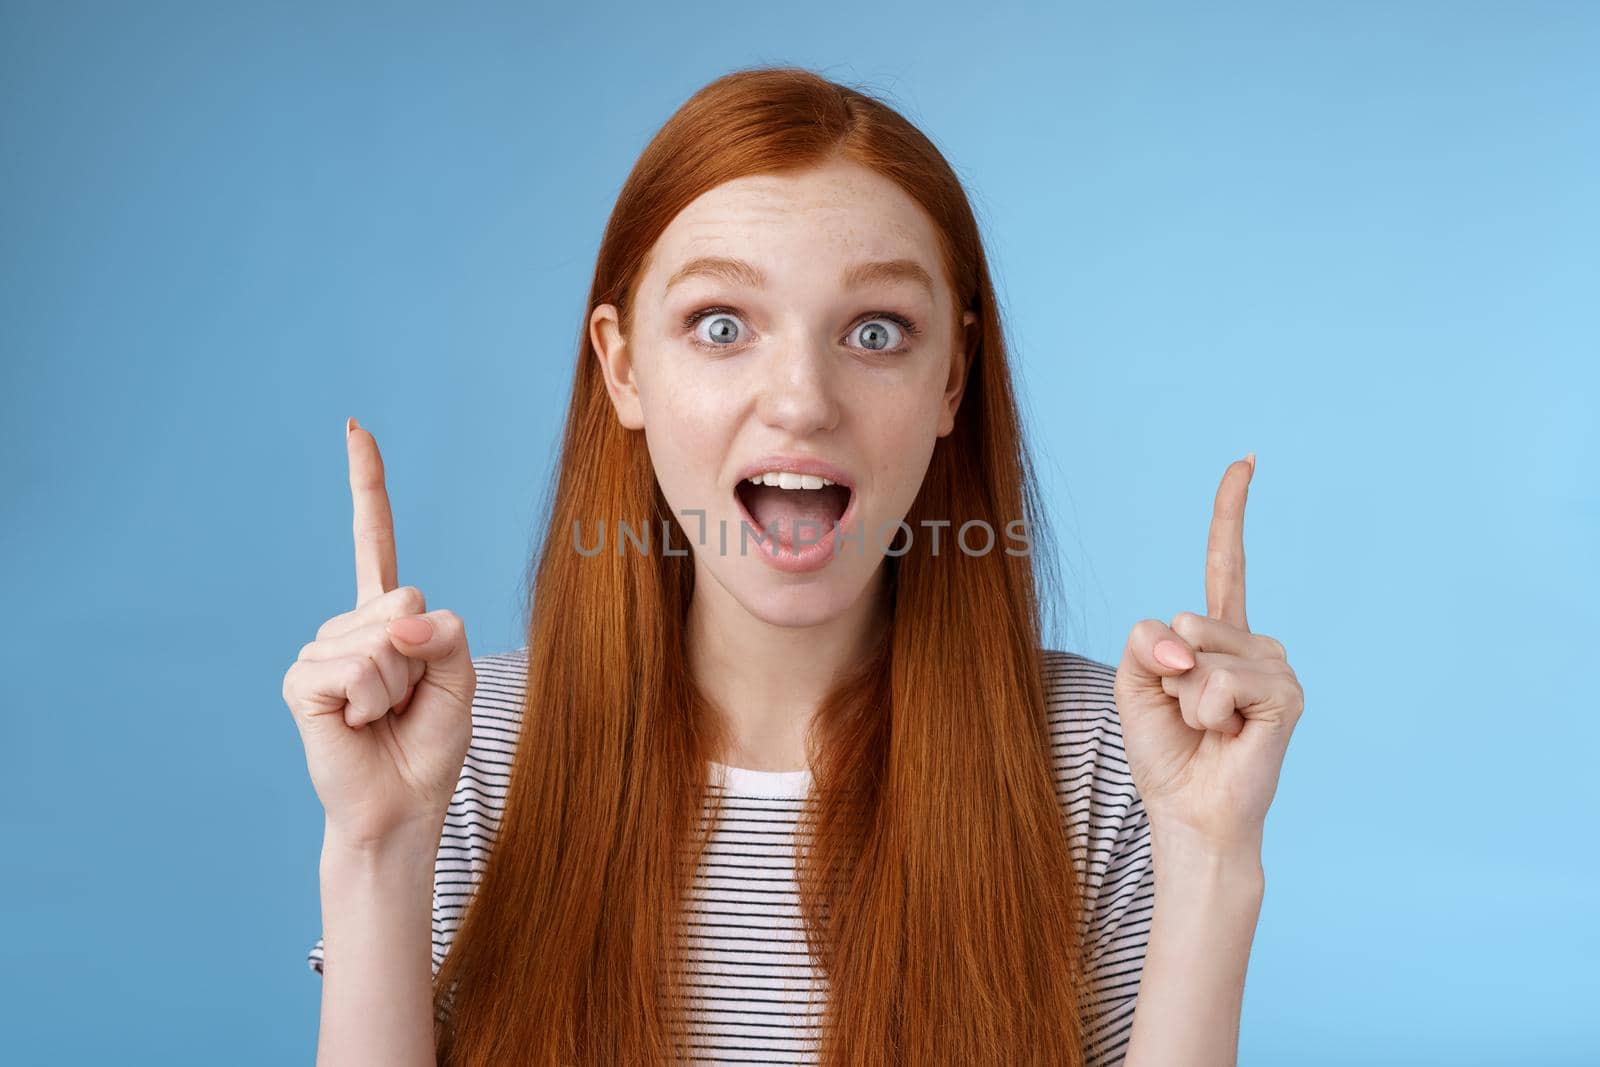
[847, 206]
[752, 246]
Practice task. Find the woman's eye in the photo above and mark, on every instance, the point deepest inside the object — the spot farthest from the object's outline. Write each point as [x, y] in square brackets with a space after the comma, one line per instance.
[878, 335]
[721, 327]
[884, 332]
[715, 327]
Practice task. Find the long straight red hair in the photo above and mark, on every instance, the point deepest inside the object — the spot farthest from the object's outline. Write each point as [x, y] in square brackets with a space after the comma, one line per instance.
[941, 903]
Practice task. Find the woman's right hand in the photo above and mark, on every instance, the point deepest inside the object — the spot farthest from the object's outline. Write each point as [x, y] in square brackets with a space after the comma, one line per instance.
[383, 695]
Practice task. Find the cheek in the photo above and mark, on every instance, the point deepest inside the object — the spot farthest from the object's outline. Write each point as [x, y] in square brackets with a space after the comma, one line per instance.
[904, 410]
[897, 442]
[687, 427]
[675, 398]
[700, 418]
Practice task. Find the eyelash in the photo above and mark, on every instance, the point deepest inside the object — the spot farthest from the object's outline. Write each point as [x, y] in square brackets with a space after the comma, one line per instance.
[899, 320]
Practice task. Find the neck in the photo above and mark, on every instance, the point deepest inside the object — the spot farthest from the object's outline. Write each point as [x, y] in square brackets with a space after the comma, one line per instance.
[765, 680]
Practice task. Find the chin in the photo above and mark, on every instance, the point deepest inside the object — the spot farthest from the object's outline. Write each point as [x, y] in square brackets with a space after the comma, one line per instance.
[796, 601]
[795, 607]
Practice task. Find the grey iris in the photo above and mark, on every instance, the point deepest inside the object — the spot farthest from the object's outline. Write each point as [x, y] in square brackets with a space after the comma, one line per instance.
[726, 332]
[875, 336]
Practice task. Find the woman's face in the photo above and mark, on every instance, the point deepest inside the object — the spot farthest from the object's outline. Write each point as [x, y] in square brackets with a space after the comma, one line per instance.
[790, 323]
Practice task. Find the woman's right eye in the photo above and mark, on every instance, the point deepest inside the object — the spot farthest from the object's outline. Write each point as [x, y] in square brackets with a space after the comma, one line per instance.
[722, 328]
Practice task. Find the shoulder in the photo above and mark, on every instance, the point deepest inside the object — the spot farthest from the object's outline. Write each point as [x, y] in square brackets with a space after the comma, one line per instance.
[497, 701]
[1076, 684]
[1085, 730]
[1104, 816]
[472, 821]
[502, 680]
[1091, 767]
[1109, 836]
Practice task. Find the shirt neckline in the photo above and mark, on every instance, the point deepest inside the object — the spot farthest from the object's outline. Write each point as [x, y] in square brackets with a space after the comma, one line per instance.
[778, 785]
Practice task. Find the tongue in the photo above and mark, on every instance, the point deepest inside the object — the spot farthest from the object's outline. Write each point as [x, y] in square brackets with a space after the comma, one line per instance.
[785, 512]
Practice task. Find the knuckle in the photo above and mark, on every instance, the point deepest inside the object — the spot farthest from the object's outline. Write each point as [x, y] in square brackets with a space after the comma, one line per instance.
[1148, 629]
[377, 646]
[449, 622]
[305, 650]
[1272, 647]
[358, 671]
[295, 695]
[409, 599]
[1185, 623]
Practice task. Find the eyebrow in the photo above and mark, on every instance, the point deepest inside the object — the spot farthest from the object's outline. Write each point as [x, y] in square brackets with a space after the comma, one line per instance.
[738, 272]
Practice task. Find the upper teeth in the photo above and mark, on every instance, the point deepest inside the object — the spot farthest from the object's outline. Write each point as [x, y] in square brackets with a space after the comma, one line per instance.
[787, 480]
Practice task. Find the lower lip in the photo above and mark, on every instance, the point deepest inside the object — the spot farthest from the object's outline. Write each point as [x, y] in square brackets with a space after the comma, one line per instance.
[790, 560]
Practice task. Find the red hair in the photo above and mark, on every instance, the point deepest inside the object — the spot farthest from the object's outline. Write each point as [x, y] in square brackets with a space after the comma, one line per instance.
[937, 886]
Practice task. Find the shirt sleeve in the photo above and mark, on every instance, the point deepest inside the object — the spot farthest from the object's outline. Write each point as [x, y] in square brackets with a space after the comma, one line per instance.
[473, 818]
[1110, 838]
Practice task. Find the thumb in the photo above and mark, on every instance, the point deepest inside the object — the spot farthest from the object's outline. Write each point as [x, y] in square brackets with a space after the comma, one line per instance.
[439, 639]
[1154, 651]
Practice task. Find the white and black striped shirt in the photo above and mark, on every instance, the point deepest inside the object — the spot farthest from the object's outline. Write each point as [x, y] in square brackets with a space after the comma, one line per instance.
[759, 998]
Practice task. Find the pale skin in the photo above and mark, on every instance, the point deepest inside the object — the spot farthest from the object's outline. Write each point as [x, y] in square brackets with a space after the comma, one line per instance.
[383, 705]
[383, 701]
[798, 378]
[1205, 727]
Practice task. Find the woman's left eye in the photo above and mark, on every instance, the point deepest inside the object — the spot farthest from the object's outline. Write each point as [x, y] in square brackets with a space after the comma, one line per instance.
[877, 332]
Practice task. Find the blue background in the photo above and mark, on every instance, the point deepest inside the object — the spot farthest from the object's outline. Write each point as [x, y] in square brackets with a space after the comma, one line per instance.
[1356, 238]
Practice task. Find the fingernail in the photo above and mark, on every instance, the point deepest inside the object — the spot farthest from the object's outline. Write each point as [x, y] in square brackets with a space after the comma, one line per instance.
[349, 425]
[1251, 459]
[413, 630]
[1171, 654]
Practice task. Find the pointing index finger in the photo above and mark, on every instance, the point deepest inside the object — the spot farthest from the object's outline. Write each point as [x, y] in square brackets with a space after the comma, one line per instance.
[374, 525]
[1225, 547]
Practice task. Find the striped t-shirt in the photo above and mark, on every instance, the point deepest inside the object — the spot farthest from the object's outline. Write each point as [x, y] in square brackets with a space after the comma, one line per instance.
[759, 999]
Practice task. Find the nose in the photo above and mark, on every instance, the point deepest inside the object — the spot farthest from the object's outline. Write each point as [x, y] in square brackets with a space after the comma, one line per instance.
[798, 390]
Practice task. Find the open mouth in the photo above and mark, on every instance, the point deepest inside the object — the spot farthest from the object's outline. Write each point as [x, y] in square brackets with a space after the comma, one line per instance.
[793, 508]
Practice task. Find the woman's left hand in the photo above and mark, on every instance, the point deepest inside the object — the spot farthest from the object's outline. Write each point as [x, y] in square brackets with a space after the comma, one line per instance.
[1206, 725]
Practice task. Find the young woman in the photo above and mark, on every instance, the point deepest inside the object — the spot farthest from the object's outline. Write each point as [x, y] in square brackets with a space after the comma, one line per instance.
[817, 795]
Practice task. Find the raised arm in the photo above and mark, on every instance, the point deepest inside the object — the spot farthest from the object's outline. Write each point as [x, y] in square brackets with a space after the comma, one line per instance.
[383, 701]
[1207, 708]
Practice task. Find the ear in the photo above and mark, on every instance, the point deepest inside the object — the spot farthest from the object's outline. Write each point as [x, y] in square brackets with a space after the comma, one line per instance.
[961, 359]
[616, 365]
